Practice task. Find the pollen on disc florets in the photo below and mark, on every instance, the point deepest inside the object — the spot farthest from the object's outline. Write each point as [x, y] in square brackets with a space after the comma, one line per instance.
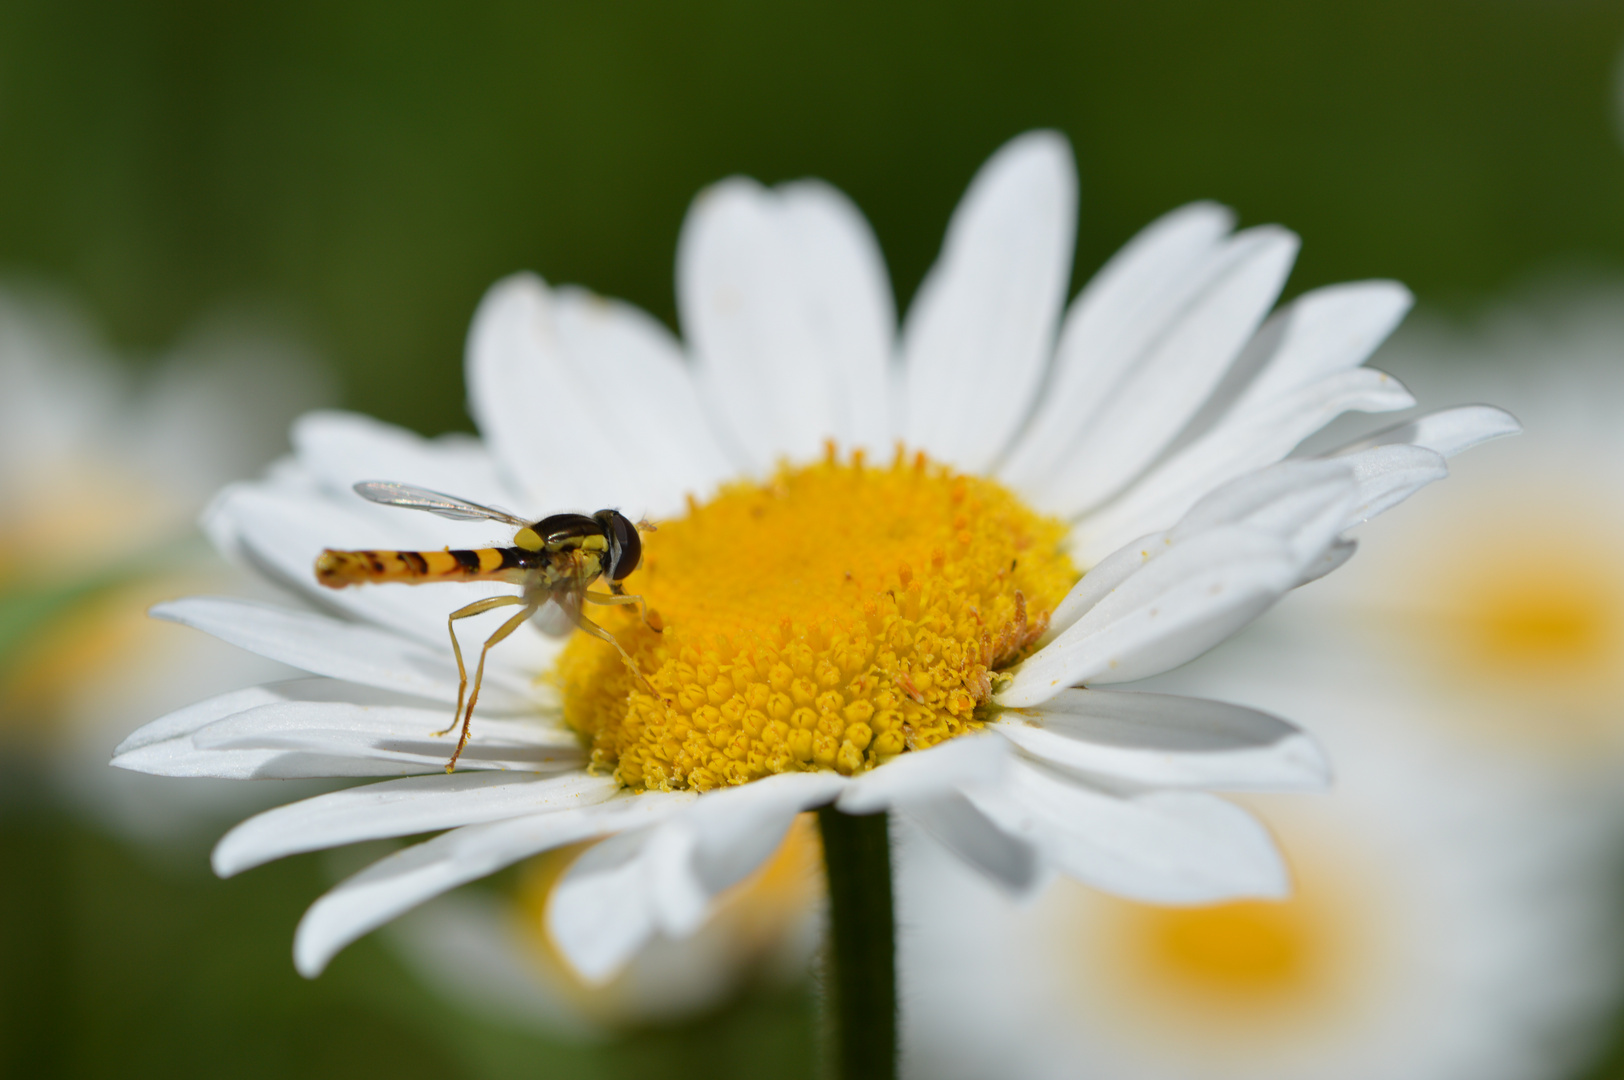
[831, 618]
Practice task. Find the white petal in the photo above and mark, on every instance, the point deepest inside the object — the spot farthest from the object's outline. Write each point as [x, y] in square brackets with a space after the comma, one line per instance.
[1141, 414]
[1124, 307]
[1301, 503]
[1447, 432]
[956, 763]
[182, 722]
[343, 448]
[1335, 556]
[1167, 741]
[164, 747]
[954, 822]
[615, 897]
[399, 882]
[401, 734]
[610, 911]
[416, 804]
[1294, 378]
[325, 646]
[1388, 475]
[738, 828]
[1165, 847]
[587, 402]
[786, 304]
[328, 728]
[1172, 610]
[1321, 333]
[1296, 501]
[981, 328]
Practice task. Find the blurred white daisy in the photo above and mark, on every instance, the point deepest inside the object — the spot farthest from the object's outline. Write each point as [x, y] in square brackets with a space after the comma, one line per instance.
[846, 630]
[1452, 917]
[1455, 894]
[1501, 603]
[102, 475]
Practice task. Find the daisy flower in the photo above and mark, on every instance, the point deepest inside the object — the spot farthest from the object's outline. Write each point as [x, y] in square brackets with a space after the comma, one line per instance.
[1512, 624]
[896, 569]
[1452, 916]
[102, 475]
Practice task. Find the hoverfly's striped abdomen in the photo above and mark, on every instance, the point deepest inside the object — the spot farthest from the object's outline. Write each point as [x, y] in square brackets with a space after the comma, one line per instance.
[337, 569]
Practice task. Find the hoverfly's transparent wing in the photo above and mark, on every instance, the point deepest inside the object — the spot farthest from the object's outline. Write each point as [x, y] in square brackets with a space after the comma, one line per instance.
[559, 615]
[416, 498]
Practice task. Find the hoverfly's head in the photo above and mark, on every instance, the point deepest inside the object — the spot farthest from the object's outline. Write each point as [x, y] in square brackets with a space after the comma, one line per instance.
[625, 546]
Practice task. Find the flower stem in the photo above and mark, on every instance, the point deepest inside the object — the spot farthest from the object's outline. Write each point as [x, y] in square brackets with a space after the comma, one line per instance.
[860, 980]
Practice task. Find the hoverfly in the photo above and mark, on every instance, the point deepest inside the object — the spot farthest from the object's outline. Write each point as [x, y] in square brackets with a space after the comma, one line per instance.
[553, 560]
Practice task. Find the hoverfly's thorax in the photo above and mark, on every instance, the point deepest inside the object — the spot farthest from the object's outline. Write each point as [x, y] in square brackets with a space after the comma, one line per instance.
[561, 532]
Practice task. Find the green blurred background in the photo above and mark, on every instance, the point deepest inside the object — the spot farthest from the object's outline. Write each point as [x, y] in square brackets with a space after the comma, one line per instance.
[374, 166]
[367, 169]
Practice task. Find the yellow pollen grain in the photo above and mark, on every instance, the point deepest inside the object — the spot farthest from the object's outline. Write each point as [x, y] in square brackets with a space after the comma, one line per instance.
[831, 618]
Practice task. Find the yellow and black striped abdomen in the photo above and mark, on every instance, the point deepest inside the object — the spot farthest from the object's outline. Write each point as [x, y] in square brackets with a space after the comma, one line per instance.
[337, 569]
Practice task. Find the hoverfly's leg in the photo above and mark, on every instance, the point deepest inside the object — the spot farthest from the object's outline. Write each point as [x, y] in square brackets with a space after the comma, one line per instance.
[479, 673]
[620, 597]
[478, 607]
[603, 635]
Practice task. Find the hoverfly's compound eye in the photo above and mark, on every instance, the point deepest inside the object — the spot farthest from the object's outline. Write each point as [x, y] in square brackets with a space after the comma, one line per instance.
[625, 546]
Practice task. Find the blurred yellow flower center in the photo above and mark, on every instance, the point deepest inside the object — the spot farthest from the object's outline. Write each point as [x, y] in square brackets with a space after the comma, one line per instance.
[1528, 619]
[1245, 966]
[1236, 948]
[1543, 618]
[1202, 983]
[831, 618]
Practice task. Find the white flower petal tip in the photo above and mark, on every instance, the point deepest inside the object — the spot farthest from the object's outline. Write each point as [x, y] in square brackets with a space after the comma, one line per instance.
[529, 343]
[340, 448]
[605, 914]
[1168, 741]
[1447, 432]
[978, 336]
[1297, 374]
[1163, 384]
[1389, 474]
[1108, 326]
[1165, 847]
[787, 308]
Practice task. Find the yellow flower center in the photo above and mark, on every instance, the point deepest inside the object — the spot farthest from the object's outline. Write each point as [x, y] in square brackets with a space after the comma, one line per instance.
[831, 618]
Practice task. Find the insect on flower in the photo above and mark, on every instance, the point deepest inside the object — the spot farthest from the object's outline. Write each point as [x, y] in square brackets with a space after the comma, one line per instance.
[554, 560]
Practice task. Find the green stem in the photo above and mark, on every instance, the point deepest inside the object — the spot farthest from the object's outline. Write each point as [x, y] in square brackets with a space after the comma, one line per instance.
[860, 979]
